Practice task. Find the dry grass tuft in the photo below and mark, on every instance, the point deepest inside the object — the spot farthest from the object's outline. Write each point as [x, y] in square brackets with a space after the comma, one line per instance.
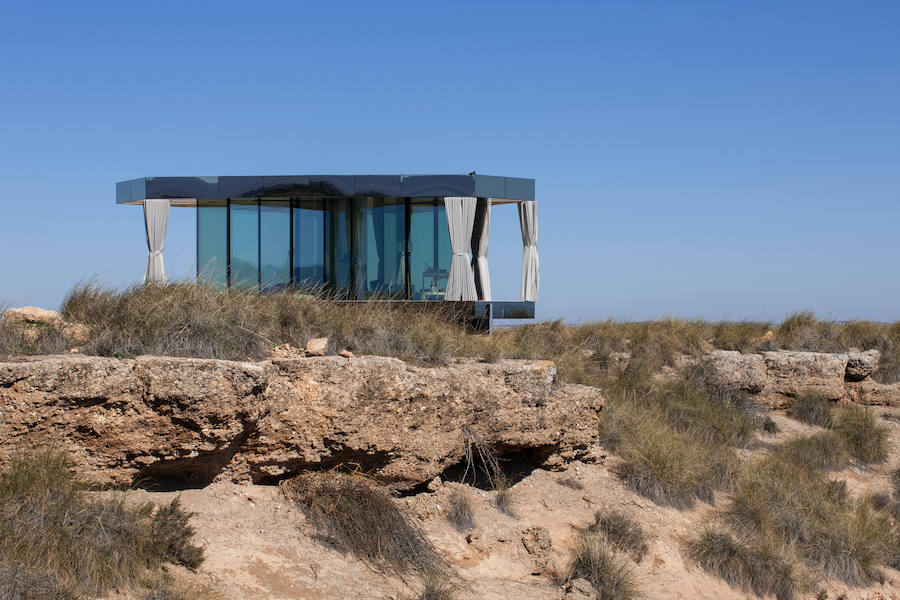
[787, 500]
[460, 512]
[759, 565]
[55, 536]
[823, 450]
[621, 531]
[571, 483]
[867, 440]
[609, 574]
[813, 408]
[356, 516]
[668, 464]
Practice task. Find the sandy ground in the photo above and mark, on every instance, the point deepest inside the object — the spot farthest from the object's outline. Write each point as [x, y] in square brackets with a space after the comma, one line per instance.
[258, 546]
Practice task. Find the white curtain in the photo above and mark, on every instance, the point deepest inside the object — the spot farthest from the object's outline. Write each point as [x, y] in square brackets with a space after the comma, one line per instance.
[156, 218]
[531, 266]
[480, 238]
[460, 220]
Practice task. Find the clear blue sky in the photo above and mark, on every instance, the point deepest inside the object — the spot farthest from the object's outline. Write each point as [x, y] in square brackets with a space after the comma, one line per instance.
[716, 159]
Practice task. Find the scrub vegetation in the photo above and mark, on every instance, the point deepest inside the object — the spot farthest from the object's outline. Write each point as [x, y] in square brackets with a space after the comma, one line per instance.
[59, 541]
[193, 319]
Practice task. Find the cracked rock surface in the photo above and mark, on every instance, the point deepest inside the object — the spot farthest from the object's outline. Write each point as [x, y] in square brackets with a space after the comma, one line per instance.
[182, 422]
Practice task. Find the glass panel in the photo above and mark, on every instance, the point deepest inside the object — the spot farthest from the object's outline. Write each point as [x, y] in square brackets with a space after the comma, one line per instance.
[429, 249]
[244, 243]
[338, 255]
[380, 240]
[212, 243]
[309, 243]
[275, 244]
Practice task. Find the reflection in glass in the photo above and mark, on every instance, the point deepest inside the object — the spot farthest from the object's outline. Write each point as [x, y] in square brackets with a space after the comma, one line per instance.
[275, 244]
[309, 243]
[338, 236]
[244, 243]
[212, 242]
[380, 239]
[429, 249]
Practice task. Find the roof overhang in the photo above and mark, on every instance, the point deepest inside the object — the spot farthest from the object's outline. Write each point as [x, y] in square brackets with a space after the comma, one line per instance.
[185, 191]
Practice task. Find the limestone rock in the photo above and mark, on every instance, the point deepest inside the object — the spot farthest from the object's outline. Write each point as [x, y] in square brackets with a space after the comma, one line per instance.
[580, 589]
[789, 373]
[346, 353]
[31, 314]
[317, 347]
[730, 368]
[165, 420]
[861, 365]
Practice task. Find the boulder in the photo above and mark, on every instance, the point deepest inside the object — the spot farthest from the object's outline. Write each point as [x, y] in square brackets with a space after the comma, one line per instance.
[32, 315]
[789, 373]
[317, 347]
[861, 365]
[174, 422]
[731, 369]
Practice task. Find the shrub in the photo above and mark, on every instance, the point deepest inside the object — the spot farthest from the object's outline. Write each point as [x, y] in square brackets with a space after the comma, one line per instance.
[757, 565]
[803, 509]
[770, 426]
[356, 516]
[49, 525]
[714, 420]
[460, 511]
[621, 531]
[610, 574]
[436, 588]
[664, 464]
[866, 439]
[813, 408]
[821, 450]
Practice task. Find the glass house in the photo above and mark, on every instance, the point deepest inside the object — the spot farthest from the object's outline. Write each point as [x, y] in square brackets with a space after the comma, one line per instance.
[360, 237]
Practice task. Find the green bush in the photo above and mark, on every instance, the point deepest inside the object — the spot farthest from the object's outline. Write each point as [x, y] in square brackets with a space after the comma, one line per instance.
[821, 450]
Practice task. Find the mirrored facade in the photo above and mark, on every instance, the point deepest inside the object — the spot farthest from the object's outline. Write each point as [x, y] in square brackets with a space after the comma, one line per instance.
[357, 248]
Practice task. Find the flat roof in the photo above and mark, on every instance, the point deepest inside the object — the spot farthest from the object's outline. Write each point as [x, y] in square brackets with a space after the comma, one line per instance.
[189, 189]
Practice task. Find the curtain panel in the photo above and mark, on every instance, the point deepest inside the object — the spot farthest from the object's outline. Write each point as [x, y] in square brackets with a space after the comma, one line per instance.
[531, 269]
[480, 238]
[156, 219]
[460, 221]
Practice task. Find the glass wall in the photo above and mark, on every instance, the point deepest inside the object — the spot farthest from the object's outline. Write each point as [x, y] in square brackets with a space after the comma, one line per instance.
[275, 244]
[244, 243]
[338, 245]
[309, 243]
[429, 249]
[380, 244]
[360, 248]
[212, 242]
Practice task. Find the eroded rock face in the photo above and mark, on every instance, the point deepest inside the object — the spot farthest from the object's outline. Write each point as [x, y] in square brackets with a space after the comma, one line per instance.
[778, 377]
[178, 421]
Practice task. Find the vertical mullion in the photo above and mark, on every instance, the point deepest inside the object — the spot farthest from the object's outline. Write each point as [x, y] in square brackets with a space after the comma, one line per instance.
[291, 242]
[228, 243]
[258, 245]
[408, 224]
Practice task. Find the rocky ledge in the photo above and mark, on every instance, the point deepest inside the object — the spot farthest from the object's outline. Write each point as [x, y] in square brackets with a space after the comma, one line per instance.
[777, 377]
[176, 422]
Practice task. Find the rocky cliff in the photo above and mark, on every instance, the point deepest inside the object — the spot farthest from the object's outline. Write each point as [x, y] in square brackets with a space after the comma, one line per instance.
[177, 422]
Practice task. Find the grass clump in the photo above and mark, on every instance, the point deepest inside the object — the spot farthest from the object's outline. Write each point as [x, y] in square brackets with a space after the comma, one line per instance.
[824, 450]
[609, 574]
[460, 512]
[353, 514]
[813, 408]
[866, 439]
[53, 530]
[760, 566]
[621, 531]
[571, 483]
[669, 465]
[780, 498]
